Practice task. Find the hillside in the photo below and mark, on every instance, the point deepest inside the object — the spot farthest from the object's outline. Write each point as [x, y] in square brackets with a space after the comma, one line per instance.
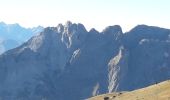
[159, 91]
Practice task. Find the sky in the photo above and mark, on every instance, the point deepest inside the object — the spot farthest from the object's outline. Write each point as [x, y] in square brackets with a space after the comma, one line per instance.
[92, 13]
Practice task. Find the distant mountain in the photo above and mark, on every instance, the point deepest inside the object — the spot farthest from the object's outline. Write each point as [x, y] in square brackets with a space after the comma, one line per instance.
[13, 35]
[69, 63]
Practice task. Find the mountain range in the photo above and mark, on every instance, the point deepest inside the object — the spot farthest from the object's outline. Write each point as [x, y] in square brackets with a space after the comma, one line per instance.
[68, 62]
[13, 35]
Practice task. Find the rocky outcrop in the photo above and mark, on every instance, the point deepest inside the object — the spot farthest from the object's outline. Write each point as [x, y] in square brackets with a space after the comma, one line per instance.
[118, 68]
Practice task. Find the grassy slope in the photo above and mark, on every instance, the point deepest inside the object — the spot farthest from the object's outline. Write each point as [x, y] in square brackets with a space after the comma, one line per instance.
[159, 91]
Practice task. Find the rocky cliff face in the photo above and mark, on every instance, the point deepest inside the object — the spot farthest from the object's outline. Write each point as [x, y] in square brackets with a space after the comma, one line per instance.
[145, 60]
[64, 62]
[68, 63]
[118, 68]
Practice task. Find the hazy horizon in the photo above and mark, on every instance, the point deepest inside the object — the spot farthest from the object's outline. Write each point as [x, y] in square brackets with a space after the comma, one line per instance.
[93, 14]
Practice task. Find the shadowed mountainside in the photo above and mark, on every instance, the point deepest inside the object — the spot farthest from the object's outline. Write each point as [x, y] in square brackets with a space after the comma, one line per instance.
[69, 63]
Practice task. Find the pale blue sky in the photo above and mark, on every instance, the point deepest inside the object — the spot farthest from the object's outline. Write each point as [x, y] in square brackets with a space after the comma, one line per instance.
[92, 13]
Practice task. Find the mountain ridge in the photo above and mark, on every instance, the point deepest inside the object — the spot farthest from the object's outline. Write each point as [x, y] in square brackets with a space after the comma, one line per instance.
[69, 60]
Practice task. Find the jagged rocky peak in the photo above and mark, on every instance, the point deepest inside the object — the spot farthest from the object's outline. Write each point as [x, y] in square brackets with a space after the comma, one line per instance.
[68, 28]
[68, 23]
[113, 32]
[113, 29]
[71, 35]
[60, 28]
[43, 39]
[93, 30]
[71, 28]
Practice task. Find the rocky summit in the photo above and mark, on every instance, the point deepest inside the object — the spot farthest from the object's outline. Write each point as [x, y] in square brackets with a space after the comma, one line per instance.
[68, 62]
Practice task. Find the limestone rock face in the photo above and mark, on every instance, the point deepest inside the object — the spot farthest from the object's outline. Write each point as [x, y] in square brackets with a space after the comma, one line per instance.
[64, 62]
[69, 63]
[145, 60]
[118, 68]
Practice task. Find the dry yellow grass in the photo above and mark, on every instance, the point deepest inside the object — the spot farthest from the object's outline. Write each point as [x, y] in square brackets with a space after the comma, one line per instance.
[159, 91]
